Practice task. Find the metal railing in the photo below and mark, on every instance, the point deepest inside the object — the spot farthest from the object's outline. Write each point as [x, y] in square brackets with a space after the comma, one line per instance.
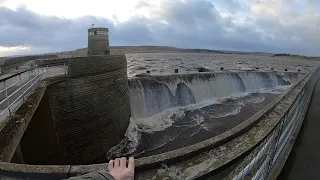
[15, 88]
[262, 161]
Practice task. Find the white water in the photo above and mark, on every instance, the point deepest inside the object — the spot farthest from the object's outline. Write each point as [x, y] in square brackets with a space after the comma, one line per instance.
[151, 95]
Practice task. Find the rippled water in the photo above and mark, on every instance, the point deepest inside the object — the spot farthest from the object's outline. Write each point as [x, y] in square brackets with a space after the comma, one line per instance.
[166, 63]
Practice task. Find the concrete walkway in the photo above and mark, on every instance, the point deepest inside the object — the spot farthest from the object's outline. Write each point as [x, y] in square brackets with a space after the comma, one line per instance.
[304, 160]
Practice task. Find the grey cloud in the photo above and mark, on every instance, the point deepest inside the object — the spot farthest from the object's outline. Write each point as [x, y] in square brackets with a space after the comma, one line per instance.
[188, 13]
[188, 24]
[134, 31]
[23, 27]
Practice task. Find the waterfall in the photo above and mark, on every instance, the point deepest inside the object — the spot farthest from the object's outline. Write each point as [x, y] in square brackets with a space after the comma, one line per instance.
[153, 94]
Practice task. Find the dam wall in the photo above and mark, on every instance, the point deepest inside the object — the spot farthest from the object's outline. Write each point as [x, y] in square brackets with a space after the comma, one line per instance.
[90, 110]
[97, 67]
[88, 113]
[153, 94]
[53, 61]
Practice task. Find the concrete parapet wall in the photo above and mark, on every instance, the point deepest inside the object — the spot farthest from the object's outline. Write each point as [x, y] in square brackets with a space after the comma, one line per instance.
[85, 65]
[52, 61]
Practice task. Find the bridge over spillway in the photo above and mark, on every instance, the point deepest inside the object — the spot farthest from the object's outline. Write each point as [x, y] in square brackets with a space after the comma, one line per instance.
[56, 121]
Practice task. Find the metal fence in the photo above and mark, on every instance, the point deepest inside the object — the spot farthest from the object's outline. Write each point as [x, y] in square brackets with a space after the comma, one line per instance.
[15, 88]
[262, 161]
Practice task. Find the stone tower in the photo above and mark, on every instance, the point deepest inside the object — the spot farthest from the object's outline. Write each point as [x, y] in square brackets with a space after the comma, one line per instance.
[98, 41]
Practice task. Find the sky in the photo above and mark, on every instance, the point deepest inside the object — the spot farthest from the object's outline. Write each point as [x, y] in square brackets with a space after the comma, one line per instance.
[276, 26]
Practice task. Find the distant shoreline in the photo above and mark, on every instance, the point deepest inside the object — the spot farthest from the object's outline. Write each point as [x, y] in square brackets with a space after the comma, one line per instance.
[11, 62]
[115, 50]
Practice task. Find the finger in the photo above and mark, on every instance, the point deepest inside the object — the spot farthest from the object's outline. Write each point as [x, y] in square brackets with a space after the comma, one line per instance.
[123, 162]
[116, 162]
[131, 163]
[110, 165]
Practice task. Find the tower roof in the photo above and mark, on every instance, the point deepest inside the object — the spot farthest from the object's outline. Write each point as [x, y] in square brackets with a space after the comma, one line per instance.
[98, 29]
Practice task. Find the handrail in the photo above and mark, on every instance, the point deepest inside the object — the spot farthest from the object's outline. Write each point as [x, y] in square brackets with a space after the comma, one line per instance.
[16, 89]
[13, 84]
[9, 77]
[19, 87]
[23, 92]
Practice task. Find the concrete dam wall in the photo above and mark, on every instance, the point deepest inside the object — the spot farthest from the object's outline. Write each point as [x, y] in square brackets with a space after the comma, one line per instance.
[150, 95]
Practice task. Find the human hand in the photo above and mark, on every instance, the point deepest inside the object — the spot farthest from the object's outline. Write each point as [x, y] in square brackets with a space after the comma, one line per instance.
[119, 170]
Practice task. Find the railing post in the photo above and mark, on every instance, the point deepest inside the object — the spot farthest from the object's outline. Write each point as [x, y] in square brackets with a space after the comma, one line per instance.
[8, 103]
[21, 86]
[65, 68]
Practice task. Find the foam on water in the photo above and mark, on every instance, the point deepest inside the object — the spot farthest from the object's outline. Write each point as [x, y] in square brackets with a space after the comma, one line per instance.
[275, 90]
[160, 121]
[232, 111]
[128, 144]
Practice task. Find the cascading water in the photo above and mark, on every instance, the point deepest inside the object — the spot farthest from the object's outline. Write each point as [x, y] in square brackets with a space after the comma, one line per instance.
[173, 111]
[154, 94]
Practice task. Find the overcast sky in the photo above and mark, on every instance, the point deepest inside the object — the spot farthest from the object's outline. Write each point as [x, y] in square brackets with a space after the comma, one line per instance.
[41, 26]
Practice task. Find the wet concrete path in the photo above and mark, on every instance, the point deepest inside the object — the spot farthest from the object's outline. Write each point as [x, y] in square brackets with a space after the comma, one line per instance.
[304, 160]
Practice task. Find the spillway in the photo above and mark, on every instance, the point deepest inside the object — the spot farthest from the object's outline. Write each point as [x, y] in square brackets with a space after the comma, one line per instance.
[172, 111]
[153, 94]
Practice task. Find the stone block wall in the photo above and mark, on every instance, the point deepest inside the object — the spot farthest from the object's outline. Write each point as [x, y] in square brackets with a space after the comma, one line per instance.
[81, 66]
[91, 109]
[52, 62]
